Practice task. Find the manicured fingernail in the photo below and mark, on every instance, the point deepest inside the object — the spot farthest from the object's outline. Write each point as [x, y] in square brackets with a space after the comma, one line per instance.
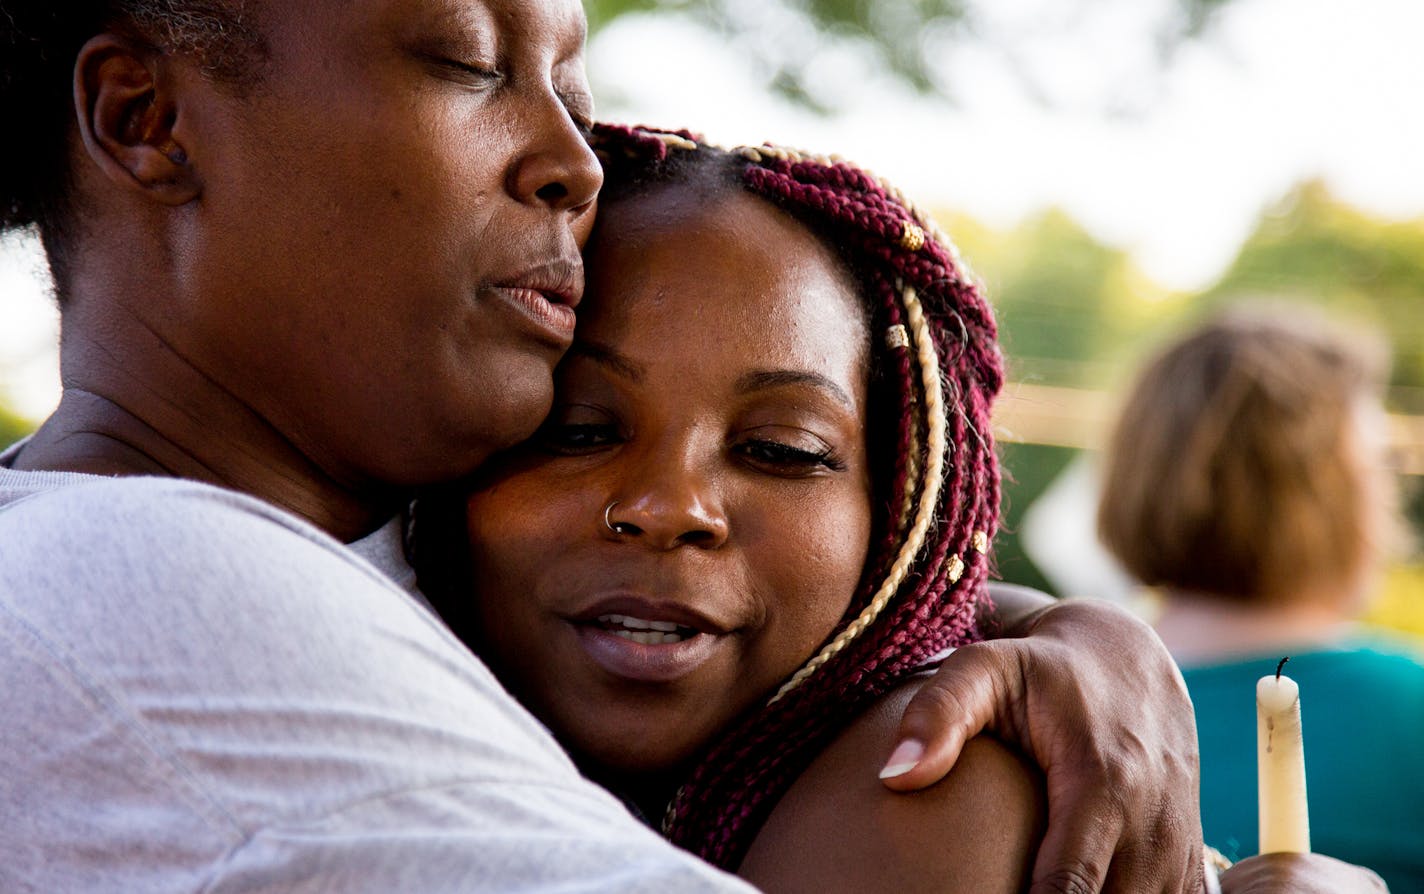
[907, 754]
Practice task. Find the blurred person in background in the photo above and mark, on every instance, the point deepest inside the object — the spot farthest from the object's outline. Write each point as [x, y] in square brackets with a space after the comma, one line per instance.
[1247, 481]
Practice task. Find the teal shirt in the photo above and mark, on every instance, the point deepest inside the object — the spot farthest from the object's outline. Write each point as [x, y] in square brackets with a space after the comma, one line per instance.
[1362, 710]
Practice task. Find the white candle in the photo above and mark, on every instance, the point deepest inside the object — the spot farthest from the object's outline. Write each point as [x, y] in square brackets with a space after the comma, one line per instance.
[1280, 751]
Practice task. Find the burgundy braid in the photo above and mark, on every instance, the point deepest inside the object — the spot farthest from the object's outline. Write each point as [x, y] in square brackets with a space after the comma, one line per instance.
[744, 773]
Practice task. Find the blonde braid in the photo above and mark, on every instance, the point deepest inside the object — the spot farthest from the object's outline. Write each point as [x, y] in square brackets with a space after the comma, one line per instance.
[935, 448]
[912, 476]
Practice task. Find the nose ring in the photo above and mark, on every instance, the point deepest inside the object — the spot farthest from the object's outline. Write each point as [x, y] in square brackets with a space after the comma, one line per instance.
[619, 528]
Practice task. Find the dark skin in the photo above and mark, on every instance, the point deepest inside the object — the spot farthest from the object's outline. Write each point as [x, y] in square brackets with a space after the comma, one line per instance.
[201, 338]
[744, 488]
[343, 283]
[744, 481]
[834, 830]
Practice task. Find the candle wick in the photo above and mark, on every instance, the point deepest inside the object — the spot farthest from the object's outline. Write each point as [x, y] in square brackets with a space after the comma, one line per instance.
[1281, 665]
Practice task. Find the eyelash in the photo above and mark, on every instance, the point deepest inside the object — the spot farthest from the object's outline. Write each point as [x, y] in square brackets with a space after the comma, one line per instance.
[573, 103]
[578, 439]
[467, 68]
[779, 454]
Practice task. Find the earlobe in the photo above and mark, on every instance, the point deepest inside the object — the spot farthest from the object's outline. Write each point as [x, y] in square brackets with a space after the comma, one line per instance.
[126, 119]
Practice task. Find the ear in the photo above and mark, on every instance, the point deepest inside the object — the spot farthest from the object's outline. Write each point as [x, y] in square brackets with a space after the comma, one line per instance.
[126, 113]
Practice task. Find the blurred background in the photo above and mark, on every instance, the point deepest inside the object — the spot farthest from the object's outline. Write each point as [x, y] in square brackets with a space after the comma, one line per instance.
[1112, 169]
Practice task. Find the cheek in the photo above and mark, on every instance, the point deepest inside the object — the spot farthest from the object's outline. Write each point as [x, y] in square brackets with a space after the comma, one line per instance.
[583, 227]
[817, 569]
[513, 528]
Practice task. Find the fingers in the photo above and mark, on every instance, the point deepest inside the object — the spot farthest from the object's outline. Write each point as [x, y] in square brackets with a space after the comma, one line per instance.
[1078, 847]
[965, 696]
[1165, 855]
[1116, 739]
[1102, 837]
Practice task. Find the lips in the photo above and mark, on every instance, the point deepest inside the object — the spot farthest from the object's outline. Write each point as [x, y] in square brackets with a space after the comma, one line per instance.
[546, 295]
[647, 641]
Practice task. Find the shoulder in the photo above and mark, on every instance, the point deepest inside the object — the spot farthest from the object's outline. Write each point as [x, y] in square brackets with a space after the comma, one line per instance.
[161, 538]
[125, 580]
[117, 512]
[840, 828]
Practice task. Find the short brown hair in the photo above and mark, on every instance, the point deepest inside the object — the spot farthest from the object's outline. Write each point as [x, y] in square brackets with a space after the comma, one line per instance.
[1232, 470]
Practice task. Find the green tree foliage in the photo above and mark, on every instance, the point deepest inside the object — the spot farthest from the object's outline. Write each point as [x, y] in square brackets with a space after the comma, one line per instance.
[12, 427]
[1075, 312]
[908, 38]
[1071, 310]
[1313, 248]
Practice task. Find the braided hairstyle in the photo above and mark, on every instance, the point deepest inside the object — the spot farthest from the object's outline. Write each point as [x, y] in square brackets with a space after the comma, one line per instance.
[936, 370]
[39, 42]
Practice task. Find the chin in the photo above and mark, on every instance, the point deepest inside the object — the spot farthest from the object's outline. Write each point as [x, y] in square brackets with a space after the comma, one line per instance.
[636, 749]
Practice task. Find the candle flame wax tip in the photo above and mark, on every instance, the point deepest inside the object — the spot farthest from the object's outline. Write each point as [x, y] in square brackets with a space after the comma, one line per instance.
[1276, 694]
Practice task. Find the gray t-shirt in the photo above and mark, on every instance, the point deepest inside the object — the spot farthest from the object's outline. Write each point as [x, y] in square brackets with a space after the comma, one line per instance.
[199, 692]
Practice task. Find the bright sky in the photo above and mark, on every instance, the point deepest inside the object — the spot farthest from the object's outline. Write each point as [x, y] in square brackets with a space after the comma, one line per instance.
[1171, 164]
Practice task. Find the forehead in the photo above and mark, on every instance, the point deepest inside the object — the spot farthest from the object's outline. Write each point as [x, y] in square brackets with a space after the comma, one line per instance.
[740, 275]
[559, 23]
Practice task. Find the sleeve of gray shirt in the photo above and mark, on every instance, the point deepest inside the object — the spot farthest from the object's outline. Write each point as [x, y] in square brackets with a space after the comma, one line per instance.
[201, 693]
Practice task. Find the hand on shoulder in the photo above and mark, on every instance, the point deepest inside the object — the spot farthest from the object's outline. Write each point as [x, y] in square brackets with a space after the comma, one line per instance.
[1090, 694]
[839, 829]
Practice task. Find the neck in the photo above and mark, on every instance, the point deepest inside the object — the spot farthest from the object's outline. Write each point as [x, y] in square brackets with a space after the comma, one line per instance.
[1201, 629]
[651, 791]
[133, 406]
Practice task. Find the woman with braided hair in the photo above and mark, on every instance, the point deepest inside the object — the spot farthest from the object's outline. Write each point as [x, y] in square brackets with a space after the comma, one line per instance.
[762, 504]
[310, 257]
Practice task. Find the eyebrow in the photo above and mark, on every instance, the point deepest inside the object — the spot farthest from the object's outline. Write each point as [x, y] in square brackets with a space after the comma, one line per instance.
[607, 357]
[777, 378]
[757, 380]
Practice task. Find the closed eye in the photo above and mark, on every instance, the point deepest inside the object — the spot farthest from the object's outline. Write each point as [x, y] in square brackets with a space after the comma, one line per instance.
[470, 72]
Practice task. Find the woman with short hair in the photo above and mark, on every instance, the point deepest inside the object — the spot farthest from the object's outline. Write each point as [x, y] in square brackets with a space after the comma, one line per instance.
[1247, 483]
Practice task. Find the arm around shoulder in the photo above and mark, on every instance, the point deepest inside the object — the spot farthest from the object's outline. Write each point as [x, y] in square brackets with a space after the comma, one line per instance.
[839, 829]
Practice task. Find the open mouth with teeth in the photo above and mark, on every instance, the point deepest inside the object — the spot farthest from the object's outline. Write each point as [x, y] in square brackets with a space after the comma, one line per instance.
[648, 633]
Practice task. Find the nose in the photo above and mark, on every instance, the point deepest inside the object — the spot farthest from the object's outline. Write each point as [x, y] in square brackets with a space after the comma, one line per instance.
[668, 507]
[560, 171]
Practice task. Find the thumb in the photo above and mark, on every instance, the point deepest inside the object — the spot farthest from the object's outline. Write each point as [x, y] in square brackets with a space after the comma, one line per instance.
[966, 696]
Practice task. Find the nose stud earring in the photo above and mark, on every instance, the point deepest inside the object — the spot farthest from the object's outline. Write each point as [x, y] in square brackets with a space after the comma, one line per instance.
[619, 528]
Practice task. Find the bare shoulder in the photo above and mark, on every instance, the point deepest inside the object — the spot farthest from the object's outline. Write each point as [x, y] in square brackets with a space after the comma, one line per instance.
[839, 829]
